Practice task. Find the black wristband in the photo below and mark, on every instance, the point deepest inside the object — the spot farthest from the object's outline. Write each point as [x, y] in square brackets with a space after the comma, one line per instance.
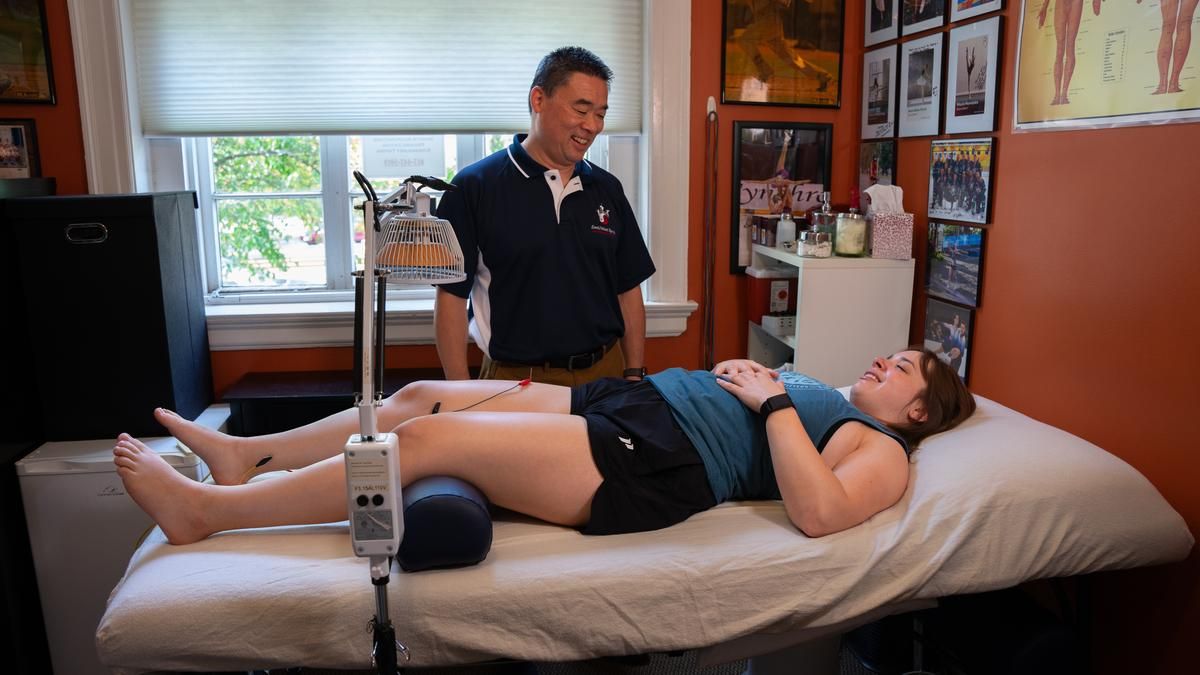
[634, 372]
[776, 402]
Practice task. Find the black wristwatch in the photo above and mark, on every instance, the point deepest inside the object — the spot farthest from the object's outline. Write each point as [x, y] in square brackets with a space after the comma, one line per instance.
[776, 402]
[635, 372]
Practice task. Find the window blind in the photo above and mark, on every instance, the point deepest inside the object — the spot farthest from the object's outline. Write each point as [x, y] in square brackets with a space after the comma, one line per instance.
[235, 67]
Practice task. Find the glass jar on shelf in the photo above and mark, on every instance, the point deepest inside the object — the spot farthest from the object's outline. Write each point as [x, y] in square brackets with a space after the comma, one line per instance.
[851, 238]
[815, 244]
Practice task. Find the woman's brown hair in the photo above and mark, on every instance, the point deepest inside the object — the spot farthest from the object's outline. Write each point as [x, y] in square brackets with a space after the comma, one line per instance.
[945, 399]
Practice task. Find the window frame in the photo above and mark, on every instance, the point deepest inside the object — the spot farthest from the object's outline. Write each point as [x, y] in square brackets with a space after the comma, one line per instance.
[118, 158]
[337, 198]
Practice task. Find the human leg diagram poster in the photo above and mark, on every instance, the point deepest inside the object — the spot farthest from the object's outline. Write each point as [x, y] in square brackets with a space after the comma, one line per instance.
[1088, 63]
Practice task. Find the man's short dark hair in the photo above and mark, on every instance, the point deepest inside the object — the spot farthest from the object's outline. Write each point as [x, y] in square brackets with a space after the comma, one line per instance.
[558, 66]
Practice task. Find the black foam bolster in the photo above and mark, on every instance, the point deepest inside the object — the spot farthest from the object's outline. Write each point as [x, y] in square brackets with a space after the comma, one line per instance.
[446, 524]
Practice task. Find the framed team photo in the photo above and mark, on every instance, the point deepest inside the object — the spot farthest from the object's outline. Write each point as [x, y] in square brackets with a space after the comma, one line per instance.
[883, 21]
[960, 179]
[972, 76]
[965, 9]
[920, 15]
[948, 332]
[920, 87]
[955, 262]
[876, 164]
[879, 93]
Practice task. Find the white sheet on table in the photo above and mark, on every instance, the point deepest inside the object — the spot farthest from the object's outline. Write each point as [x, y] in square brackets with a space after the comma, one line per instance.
[1002, 499]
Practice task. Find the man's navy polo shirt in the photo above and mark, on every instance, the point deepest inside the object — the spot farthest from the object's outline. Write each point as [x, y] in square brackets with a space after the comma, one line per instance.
[543, 285]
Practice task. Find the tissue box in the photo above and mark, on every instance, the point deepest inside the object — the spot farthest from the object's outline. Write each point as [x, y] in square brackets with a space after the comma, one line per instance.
[892, 235]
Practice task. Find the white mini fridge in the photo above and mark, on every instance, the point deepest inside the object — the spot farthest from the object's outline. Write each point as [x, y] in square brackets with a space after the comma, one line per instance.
[83, 528]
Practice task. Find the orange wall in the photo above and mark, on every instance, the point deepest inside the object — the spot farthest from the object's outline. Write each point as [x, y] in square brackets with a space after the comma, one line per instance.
[1090, 304]
[729, 289]
[1089, 316]
[1088, 320]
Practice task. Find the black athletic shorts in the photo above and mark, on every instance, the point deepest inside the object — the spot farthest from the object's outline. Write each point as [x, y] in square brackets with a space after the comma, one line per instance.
[653, 476]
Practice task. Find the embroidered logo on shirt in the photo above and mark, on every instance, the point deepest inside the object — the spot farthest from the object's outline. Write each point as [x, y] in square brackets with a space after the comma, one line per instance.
[602, 222]
[627, 442]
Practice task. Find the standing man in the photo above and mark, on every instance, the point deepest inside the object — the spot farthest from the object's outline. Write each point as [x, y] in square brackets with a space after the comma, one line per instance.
[553, 253]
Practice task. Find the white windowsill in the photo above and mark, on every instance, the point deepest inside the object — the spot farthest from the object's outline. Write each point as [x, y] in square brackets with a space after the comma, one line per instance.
[331, 324]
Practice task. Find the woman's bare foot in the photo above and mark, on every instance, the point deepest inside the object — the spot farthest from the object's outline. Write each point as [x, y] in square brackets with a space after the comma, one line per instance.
[221, 452]
[172, 500]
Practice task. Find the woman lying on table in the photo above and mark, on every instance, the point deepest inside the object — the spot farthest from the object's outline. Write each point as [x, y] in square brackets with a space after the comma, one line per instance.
[607, 457]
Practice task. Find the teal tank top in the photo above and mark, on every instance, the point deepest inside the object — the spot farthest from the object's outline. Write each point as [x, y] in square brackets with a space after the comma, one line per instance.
[732, 440]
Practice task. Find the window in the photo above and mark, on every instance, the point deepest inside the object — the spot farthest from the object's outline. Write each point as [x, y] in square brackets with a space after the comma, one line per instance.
[278, 212]
[124, 154]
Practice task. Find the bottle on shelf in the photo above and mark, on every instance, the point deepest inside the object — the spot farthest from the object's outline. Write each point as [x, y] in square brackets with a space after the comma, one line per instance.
[824, 219]
[785, 231]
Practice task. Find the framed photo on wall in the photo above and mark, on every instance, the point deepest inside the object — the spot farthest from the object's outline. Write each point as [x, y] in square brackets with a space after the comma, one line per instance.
[782, 53]
[919, 15]
[25, 73]
[920, 87]
[879, 93]
[18, 149]
[776, 166]
[948, 332]
[971, 81]
[965, 9]
[960, 179]
[876, 164]
[883, 21]
[955, 262]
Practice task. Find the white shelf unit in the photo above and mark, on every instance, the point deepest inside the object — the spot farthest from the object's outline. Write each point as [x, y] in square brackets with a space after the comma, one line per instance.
[848, 311]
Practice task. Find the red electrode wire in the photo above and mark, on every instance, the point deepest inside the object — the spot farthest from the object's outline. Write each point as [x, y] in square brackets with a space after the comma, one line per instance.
[520, 385]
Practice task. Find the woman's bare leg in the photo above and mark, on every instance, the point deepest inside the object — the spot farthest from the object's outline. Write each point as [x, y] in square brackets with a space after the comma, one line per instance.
[232, 460]
[539, 464]
[1183, 42]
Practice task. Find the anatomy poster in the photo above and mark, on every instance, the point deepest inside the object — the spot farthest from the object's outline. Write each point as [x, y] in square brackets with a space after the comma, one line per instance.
[1084, 63]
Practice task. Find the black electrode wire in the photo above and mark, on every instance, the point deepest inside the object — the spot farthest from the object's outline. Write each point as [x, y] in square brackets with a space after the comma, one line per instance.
[711, 128]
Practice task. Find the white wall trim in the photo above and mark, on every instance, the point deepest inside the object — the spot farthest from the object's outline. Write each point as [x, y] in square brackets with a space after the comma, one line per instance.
[331, 324]
[665, 180]
[113, 147]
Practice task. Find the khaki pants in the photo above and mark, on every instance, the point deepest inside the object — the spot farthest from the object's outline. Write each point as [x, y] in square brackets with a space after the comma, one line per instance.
[612, 365]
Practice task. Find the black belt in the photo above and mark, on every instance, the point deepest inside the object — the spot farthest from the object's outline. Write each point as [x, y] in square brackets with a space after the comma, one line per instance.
[575, 361]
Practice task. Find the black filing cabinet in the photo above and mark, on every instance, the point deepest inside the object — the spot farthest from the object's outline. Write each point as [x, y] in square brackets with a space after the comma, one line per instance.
[114, 310]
